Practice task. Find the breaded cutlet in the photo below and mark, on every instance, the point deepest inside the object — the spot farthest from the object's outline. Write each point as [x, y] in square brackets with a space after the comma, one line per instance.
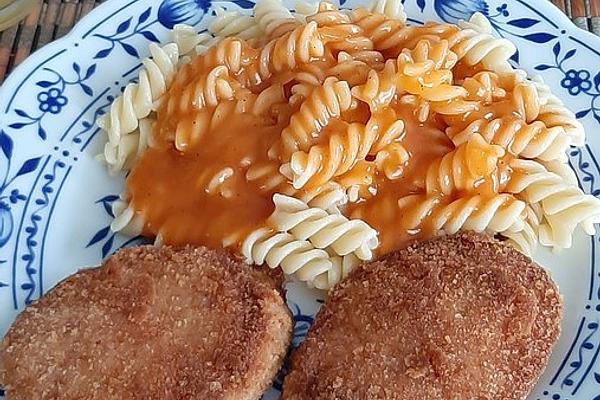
[458, 317]
[151, 323]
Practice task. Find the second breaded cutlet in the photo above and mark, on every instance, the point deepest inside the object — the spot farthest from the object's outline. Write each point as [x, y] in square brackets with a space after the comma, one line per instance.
[454, 318]
[152, 323]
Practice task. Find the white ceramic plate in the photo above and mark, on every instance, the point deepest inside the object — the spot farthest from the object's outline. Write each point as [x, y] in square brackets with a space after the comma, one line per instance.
[55, 197]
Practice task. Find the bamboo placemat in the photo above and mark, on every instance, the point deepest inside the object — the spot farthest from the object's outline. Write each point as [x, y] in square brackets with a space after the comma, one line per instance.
[51, 19]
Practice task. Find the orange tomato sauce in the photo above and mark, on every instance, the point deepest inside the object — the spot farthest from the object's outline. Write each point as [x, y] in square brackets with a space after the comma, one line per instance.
[170, 187]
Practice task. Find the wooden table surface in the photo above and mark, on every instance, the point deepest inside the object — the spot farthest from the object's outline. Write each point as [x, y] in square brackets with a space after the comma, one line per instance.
[52, 19]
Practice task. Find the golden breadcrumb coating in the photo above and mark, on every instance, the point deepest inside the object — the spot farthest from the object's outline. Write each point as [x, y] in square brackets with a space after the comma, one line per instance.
[454, 318]
[152, 323]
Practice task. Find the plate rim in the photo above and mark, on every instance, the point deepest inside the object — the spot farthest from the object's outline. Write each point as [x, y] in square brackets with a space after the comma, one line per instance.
[9, 89]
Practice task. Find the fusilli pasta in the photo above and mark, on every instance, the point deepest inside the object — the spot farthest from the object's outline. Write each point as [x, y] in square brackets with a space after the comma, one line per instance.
[139, 99]
[127, 220]
[274, 18]
[478, 213]
[323, 230]
[191, 42]
[351, 70]
[323, 162]
[484, 87]
[425, 72]
[555, 114]
[298, 258]
[130, 147]
[379, 89]
[206, 91]
[324, 103]
[414, 131]
[475, 44]
[390, 8]
[234, 23]
[341, 267]
[564, 205]
[466, 168]
[518, 138]
[387, 34]
[526, 240]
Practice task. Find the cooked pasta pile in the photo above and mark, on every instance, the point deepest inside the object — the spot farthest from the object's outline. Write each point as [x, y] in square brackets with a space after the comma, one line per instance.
[315, 139]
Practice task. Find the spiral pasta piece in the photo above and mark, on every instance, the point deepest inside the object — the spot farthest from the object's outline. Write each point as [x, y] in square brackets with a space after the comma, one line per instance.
[561, 169]
[379, 89]
[523, 101]
[267, 178]
[379, 138]
[422, 72]
[478, 22]
[303, 9]
[526, 240]
[234, 23]
[139, 99]
[350, 69]
[299, 46]
[484, 87]
[390, 8]
[564, 205]
[323, 230]
[234, 53]
[278, 249]
[190, 42]
[533, 140]
[274, 18]
[127, 220]
[299, 93]
[338, 30]
[434, 54]
[129, 149]
[206, 91]
[190, 131]
[230, 52]
[329, 196]
[358, 180]
[526, 101]
[471, 45]
[465, 168]
[261, 103]
[383, 136]
[341, 267]
[475, 44]
[552, 111]
[425, 72]
[372, 58]
[498, 213]
[555, 114]
[388, 35]
[323, 104]
[205, 97]
[323, 162]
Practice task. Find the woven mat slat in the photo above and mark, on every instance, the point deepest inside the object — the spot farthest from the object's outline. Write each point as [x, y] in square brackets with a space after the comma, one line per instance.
[8, 46]
[27, 35]
[559, 3]
[52, 19]
[68, 13]
[578, 8]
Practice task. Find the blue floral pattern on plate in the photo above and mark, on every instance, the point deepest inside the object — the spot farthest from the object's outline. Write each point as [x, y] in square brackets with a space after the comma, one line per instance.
[55, 197]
